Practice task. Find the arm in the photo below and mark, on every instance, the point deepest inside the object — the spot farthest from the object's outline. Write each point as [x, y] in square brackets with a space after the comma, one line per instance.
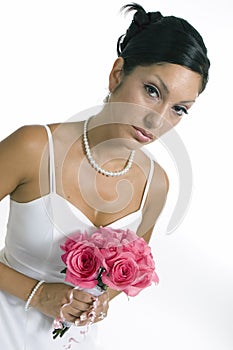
[20, 155]
[14, 169]
[15, 283]
[155, 202]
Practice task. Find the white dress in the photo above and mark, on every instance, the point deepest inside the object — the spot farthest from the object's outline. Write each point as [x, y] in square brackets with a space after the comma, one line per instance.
[35, 231]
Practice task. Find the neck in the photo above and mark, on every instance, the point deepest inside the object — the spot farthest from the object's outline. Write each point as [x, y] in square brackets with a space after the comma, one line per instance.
[103, 142]
[106, 150]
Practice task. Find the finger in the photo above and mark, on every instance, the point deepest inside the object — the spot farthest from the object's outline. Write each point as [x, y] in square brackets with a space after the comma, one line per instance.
[101, 316]
[71, 316]
[101, 313]
[83, 296]
[97, 313]
[78, 305]
[104, 298]
[79, 323]
[102, 304]
[82, 317]
[71, 312]
[87, 318]
[100, 310]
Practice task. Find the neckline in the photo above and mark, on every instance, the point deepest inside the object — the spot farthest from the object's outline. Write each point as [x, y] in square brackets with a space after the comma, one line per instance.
[90, 222]
[84, 218]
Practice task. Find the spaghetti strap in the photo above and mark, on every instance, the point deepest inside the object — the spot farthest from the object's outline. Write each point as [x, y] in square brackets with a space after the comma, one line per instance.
[52, 178]
[147, 183]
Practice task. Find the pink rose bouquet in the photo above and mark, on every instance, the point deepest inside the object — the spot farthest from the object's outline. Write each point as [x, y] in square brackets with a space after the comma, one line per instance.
[113, 258]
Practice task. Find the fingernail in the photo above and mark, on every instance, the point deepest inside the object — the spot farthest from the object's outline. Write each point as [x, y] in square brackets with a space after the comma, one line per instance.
[83, 316]
[91, 316]
[77, 322]
[95, 304]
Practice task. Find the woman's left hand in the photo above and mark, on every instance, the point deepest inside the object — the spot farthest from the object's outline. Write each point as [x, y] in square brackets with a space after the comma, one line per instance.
[98, 312]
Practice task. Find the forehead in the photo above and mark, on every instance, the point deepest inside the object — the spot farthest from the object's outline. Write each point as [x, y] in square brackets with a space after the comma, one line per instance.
[175, 77]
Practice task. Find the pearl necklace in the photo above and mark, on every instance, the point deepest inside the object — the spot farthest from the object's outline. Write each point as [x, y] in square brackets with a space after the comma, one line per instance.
[95, 165]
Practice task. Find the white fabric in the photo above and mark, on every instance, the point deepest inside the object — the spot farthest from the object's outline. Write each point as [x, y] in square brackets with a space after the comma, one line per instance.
[35, 231]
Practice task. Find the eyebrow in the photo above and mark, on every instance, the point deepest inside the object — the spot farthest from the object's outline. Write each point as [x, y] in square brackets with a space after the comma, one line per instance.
[190, 101]
[162, 83]
[167, 91]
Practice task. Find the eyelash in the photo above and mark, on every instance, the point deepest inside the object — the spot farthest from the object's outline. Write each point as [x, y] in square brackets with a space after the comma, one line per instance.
[151, 89]
[181, 109]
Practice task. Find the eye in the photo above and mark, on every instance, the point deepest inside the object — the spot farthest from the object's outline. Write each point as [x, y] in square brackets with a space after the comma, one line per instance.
[152, 91]
[180, 110]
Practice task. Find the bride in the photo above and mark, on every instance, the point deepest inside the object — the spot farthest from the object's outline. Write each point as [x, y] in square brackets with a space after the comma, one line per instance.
[90, 173]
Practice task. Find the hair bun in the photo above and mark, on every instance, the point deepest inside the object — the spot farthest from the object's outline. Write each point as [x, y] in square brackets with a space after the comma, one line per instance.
[140, 21]
[141, 17]
[155, 16]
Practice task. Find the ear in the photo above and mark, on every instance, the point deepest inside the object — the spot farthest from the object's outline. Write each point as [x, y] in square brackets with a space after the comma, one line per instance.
[116, 74]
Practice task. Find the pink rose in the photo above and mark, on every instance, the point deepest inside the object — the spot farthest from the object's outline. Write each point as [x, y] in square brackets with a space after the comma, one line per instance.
[109, 255]
[72, 241]
[142, 281]
[108, 237]
[83, 265]
[139, 247]
[120, 271]
[103, 240]
[146, 275]
[129, 236]
[130, 267]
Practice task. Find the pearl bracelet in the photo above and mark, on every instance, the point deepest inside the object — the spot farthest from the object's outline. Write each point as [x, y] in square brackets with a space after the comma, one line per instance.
[33, 292]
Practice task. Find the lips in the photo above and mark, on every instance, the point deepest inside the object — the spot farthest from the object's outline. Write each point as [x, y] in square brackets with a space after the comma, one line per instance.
[142, 135]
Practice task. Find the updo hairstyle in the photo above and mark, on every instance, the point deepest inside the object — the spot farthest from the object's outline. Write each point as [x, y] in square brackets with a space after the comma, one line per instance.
[153, 38]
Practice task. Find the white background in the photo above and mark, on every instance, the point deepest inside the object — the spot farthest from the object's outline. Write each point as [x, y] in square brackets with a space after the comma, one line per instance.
[55, 59]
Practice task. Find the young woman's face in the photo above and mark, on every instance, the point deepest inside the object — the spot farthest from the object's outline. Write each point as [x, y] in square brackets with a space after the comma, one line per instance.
[153, 99]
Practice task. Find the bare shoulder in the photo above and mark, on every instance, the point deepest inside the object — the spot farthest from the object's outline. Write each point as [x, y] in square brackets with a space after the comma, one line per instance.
[20, 154]
[26, 136]
[160, 180]
[155, 201]
[160, 177]
[158, 189]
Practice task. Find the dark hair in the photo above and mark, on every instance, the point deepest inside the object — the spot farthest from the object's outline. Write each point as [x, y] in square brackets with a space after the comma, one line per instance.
[154, 38]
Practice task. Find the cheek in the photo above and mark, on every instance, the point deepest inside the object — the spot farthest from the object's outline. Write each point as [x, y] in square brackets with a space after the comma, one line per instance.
[127, 95]
[167, 125]
[127, 91]
[176, 121]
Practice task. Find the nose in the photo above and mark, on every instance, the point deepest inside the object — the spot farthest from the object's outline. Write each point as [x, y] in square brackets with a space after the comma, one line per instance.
[155, 119]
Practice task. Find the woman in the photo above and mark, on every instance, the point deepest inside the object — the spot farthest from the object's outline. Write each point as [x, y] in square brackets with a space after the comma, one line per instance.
[95, 172]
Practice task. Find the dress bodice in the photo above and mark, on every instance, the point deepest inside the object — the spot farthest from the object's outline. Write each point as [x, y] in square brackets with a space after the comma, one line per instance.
[36, 229]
